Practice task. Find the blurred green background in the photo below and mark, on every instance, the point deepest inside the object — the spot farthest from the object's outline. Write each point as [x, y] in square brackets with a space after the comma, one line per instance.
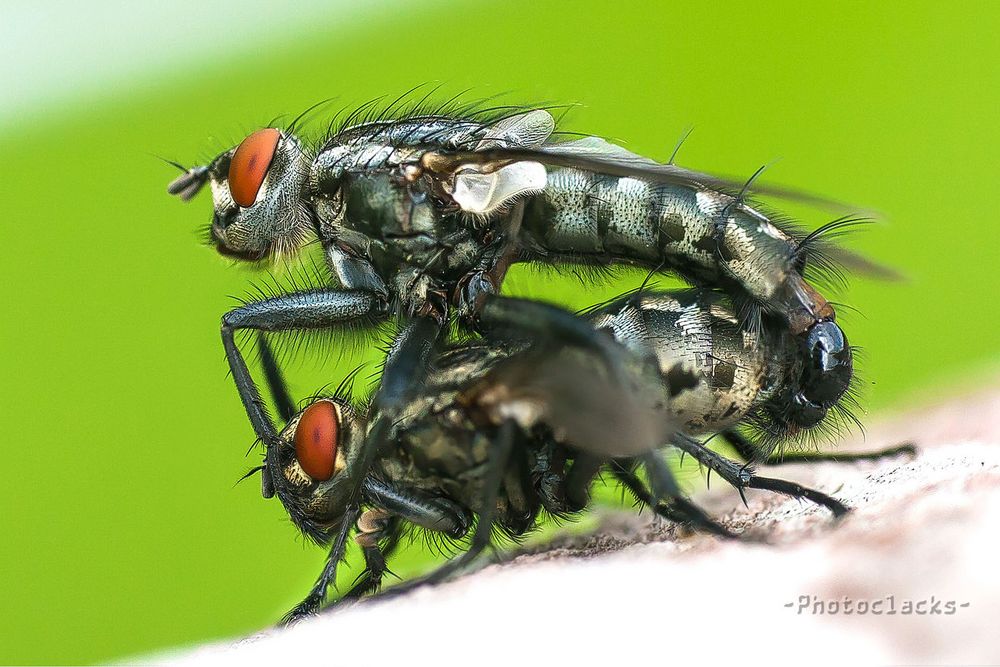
[122, 530]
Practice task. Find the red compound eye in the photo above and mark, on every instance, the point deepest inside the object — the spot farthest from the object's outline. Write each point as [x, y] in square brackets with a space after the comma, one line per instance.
[250, 164]
[316, 439]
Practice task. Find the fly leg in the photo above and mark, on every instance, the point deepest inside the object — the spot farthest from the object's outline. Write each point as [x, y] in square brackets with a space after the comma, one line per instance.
[380, 529]
[905, 449]
[579, 479]
[378, 536]
[431, 512]
[748, 452]
[390, 506]
[667, 501]
[664, 489]
[742, 477]
[298, 310]
[677, 510]
[275, 380]
[522, 502]
[406, 365]
[312, 602]
[565, 486]
[507, 317]
[503, 445]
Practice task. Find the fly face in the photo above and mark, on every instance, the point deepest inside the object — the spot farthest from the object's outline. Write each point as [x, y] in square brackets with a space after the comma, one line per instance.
[312, 466]
[819, 378]
[827, 374]
[258, 192]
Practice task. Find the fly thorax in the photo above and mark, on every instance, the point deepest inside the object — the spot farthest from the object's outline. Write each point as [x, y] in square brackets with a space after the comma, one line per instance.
[382, 207]
[372, 204]
[440, 453]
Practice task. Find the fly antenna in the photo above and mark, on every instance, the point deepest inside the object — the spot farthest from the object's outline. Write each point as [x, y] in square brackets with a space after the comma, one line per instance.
[187, 185]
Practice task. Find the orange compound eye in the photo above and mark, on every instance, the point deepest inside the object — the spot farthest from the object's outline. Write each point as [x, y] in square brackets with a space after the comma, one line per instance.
[316, 439]
[250, 164]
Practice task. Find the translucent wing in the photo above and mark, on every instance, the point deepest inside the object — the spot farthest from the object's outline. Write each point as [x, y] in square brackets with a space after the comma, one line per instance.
[518, 143]
[861, 265]
[571, 392]
[526, 130]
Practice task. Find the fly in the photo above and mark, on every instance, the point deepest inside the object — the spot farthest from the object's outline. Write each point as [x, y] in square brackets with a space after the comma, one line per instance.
[421, 216]
[501, 185]
[504, 429]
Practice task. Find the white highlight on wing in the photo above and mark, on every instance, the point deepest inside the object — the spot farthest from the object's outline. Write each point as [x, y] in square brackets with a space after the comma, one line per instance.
[484, 193]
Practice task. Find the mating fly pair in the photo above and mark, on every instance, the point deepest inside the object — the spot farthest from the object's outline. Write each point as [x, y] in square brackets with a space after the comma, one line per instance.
[421, 215]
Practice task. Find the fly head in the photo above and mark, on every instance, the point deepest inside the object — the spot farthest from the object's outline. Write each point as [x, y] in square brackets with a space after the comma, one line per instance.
[826, 373]
[259, 196]
[313, 465]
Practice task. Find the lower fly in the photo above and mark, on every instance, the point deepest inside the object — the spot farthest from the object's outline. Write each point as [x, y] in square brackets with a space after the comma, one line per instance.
[504, 429]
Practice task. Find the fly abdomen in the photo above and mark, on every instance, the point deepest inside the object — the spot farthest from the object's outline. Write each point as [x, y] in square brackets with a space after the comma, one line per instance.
[706, 236]
[714, 373]
[594, 216]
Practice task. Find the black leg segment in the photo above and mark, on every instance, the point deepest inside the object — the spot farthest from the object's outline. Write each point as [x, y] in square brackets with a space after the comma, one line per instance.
[742, 477]
[298, 310]
[749, 452]
[665, 490]
[275, 380]
[314, 600]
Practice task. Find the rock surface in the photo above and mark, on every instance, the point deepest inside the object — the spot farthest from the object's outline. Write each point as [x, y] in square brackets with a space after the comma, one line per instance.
[917, 557]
